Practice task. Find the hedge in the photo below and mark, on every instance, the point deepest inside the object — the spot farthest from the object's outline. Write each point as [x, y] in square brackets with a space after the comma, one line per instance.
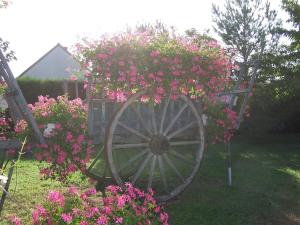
[32, 88]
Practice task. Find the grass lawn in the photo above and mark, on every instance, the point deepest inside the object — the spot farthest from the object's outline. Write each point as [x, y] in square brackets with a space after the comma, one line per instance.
[266, 186]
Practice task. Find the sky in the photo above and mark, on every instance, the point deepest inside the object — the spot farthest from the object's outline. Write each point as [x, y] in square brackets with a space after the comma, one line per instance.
[33, 27]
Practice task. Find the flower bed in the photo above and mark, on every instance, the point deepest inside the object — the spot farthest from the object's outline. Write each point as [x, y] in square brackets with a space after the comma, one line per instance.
[121, 206]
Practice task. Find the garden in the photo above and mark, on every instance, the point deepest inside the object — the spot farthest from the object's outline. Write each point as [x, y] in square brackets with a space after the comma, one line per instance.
[174, 149]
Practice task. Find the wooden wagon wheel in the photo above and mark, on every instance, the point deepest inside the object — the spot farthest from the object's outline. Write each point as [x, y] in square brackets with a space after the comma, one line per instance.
[158, 147]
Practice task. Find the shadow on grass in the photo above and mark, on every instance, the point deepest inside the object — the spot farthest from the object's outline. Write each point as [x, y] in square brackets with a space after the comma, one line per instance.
[266, 186]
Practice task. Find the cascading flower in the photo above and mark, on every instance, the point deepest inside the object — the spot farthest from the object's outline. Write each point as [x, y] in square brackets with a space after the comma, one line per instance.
[163, 65]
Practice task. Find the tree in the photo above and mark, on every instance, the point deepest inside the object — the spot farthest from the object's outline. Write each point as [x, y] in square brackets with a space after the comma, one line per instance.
[276, 102]
[292, 7]
[247, 26]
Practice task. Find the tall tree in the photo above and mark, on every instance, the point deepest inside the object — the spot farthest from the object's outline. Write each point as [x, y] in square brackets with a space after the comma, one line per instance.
[292, 7]
[247, 26]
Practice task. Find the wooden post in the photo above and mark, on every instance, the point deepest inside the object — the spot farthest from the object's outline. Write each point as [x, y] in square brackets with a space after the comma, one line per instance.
[90, 107]
[18, 97]
[5, 191]
[76, 88]
[65, 87]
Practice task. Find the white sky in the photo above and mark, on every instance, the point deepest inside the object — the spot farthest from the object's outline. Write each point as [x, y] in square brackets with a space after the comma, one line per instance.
[33, 27]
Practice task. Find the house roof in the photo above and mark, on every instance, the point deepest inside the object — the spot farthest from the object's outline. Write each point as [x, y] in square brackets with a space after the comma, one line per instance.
[56, 64]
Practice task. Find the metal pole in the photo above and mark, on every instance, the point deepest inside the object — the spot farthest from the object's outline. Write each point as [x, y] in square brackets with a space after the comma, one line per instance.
[229, 164]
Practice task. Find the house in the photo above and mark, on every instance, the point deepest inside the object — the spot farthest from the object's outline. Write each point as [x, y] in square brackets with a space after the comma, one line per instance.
[56, 64]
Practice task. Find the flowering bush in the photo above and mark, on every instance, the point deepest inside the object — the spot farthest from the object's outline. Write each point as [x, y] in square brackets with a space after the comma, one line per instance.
[63, 123]
[6, 125]
[162, 65]
[121, 206]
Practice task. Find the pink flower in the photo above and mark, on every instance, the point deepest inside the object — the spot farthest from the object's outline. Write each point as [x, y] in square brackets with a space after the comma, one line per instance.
[106, 210]
[76, 148]
[121, 63]
[119, 220]
[58, 126]
[20, 126]
[84, 223]
[73, 190]
[145, 98]
[157, 98]
[91, 191]
[80, 138]
[154, 53]
[69, 137]
[121, 200]
[44, 114]
[15, 220]
[73, 77]
[75, 212]
[113, 189]
[61, 157]
[157, 209]
[66, 217]
[35, 216]
[102, 56]
[160, 73]
[151, 76]
[56, 197]
[164, 217]
[102, 220]
[160, 90]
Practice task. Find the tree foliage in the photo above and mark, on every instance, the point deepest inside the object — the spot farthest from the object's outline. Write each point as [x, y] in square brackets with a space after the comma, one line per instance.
[247, 26]
[276, 102]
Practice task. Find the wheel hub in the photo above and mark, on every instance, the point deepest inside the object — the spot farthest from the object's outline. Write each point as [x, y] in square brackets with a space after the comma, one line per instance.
[159, 144]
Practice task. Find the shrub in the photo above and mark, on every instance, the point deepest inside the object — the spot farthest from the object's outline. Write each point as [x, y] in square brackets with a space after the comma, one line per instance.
[32, 88]
[63, 123]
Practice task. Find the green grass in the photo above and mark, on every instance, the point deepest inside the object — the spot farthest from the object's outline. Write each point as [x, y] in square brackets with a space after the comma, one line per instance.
[27, 190]
[265, 191]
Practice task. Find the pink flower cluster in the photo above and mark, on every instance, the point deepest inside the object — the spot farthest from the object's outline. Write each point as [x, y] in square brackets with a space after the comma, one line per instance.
[124, 64]
[67, 148]
[163, 66]
[125, 206]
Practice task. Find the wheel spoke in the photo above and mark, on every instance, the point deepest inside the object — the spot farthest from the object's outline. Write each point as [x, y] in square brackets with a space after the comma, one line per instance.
[141, 120]
[164, 115]
[133, 131]
[182, 157]
[124, 146]
[96, 158]
[180, 143]
[153, 119]
[171, 164]
[133, 159]
[182, 129]
[141, 168]
[162, 173]
[175, 119]
[151, 172]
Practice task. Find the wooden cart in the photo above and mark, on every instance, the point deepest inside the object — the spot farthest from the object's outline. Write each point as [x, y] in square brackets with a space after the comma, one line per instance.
[152, 146]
